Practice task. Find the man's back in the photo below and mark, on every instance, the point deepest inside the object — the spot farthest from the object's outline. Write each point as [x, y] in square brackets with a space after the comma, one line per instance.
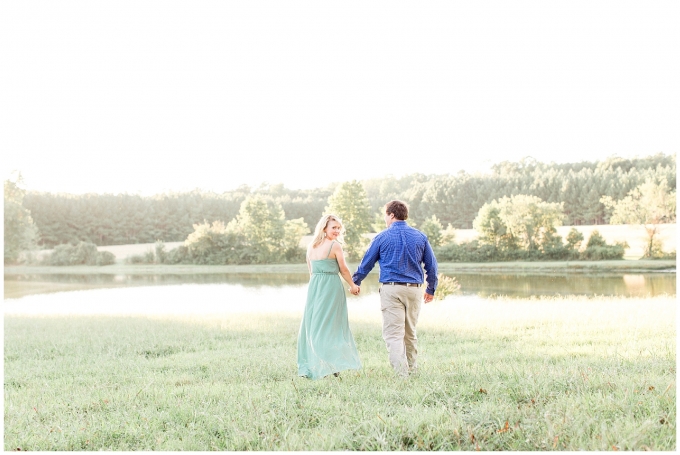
[401, 251]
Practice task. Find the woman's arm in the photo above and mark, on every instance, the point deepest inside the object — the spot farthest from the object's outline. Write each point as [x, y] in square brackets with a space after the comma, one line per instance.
[309, 264]
[344, 271]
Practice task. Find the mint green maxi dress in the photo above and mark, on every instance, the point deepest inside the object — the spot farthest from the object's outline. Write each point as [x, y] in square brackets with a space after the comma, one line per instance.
[325, 342]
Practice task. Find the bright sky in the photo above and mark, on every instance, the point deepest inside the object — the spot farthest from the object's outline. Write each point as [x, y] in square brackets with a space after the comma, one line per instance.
[152, 96]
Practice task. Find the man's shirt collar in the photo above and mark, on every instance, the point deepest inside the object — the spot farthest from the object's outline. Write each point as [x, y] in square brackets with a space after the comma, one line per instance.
[398, 223]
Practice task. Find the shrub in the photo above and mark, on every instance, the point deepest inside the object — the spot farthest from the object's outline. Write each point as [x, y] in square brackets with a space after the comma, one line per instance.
[574, 239]
[295, 256]
[601, 253]
[596, 239]
[553, 248]
[654, 250]
[106, 258]
[84, 253]
[468, 252]
[664, 255]
[160, 252]
[220, 248]
[179, 255]
[446, 286]
[597, 249]
[148, 257]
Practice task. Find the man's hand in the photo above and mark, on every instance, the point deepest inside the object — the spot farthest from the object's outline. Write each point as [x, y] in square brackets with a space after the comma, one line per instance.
[356, 289]
[428, 298]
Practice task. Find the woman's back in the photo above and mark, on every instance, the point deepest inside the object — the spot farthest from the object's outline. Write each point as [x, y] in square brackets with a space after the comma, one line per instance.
[325, 266]
[321, 251]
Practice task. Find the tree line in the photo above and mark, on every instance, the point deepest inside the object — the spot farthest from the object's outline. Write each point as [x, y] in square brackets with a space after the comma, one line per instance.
[519, 227]
[522, 227]
[607, 191]
[107, 219]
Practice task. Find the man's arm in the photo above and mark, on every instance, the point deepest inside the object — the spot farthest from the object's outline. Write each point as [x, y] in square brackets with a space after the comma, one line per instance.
[367, 263]
[430, 263]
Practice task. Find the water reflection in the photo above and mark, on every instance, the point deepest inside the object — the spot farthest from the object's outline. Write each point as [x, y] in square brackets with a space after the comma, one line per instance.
[17, 286]
[636, 285]
[480, 284]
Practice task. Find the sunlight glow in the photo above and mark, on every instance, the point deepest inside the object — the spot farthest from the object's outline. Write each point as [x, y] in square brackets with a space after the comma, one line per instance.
[161, 96]
[187, 300]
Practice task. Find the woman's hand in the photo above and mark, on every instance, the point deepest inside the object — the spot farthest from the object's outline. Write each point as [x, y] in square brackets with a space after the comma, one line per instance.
[354, 289]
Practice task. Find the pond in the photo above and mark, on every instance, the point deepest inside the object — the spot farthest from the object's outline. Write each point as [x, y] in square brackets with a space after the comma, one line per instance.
[129, 294]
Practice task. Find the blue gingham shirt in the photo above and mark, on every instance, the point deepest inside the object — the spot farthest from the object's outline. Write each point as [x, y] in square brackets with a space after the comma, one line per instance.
[401, 251]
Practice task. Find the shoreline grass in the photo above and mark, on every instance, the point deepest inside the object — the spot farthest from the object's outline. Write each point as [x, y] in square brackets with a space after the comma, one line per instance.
[497, 374]
[518, 266]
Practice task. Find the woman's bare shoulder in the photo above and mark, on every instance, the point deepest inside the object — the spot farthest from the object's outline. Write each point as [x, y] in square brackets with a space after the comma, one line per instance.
[315, 253]
[336, 250]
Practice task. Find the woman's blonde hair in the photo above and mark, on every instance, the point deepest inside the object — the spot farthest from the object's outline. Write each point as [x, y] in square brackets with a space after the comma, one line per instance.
[321, 226]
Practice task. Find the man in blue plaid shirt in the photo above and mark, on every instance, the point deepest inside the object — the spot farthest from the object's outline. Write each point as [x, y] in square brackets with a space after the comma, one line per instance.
[402, 251]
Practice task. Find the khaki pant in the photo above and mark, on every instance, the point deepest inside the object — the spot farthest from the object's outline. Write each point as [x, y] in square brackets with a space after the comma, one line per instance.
[400, 307]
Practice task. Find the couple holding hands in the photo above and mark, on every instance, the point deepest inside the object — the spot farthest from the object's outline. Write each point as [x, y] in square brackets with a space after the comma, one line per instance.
[325, 343]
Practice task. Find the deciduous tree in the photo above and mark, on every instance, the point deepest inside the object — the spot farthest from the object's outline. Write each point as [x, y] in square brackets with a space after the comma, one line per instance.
[432, 228]
[20, 231]
[528, 218]
[489, 224]
[350, 203]
[649, 205]
[262, 223]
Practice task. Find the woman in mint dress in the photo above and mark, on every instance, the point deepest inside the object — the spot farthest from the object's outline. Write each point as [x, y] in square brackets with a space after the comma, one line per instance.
[325, 342]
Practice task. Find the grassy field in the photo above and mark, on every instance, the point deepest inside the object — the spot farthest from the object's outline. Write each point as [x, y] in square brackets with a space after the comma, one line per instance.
[496, 374]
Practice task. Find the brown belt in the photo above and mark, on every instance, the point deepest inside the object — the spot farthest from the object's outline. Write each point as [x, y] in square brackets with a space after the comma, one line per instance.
[417, 285]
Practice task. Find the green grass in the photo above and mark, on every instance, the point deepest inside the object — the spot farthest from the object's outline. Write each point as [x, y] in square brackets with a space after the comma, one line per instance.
[496, 374]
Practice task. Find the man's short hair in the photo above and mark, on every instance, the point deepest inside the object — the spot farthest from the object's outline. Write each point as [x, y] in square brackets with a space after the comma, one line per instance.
[398, 208]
